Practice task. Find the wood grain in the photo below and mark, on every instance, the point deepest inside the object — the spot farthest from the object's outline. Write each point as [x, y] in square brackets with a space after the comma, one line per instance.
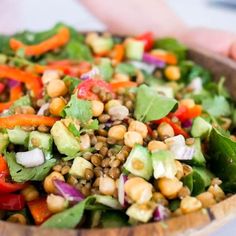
[198, 223]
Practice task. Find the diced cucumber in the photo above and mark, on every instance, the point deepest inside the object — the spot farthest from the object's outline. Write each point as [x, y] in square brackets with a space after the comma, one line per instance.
[200, 128]
[40, 140]
[134, 49]
[139, 213]
[64, 140]
[78, 167]
[102, 44]
[198, 157]
[163, 163]
[205, 174]
[18, 136]
[139, 162]
[108, 201]
[4, 141]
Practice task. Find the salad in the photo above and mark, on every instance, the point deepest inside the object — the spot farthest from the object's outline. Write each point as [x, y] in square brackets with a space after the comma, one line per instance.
[102, 131]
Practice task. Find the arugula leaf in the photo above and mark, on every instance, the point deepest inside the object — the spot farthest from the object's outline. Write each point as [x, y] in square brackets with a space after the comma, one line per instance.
[222, 159]
[72, 82]
[125, 68]
[217, 106]
[69, 218]
[151, 106]
[72, 128]
[172, 45]
[106, 69]
[22, 174]
[79, 109]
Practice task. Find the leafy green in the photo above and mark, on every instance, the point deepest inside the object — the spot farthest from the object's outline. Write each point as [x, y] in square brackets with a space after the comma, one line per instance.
[106, 69]
[79, 109]
[72, 128]
[93, 125]
[112, 219]
[69, 218]
[125, 68]
[151, 106]
[22, 174]
[174, 204]
[172, 45]
[72, 82]
[222, 158]
[217, 106]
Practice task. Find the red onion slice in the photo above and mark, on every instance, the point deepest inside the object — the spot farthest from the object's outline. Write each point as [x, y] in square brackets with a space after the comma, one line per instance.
[42, 109]
[121, 190]
[148, 58]
[161, 213]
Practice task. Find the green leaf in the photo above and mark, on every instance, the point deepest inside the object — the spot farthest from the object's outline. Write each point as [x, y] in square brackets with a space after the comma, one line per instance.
[106, 69]
[22, 174]
[112, 219]
[125, 68]
[79, 109]
[93, 125]
[72, 82]
[172, 45]
[69, 218]
[151, 106]
[217, 106]
[222, 159]
[72, 128]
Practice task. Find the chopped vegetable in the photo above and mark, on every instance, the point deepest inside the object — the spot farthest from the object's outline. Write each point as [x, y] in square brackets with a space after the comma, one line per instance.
[12, 202]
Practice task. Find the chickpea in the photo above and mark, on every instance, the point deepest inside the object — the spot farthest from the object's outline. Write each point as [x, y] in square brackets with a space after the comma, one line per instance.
[17, 218]
[156, 146]
[56, 106]
[207, 199]
[48, 182]
[180, 169]
[56, 203]
[187, 102]
[184, 192]
[172, 73]
[169, 187]
[160, 199]
[107, 185]
[118, 112]
[190, 204]
[165, 131]
[50, 75]
[84, 142]
[30, 193]
[132, 138]
[111, 104]
[97, 108]
[90, 38]
[217, 192]
[138, 127]
[138, 190]
[56, 88]
[117, 132]
[119, 77]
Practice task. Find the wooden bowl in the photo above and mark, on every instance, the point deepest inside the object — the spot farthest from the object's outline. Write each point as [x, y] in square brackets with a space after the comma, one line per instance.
[197, 223]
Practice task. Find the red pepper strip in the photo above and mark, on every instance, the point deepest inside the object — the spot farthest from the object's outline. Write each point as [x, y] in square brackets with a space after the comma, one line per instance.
[177, 128]
[118, 53]
[148, 39]
[9, 122]
[15, 93]
[4, 171]
[6, 187]
[126, 84]
[12, 202]
[2, 87]
[85, 88]
[167, 57]
[56, 41]
[31, 81]
[39, 210]
[184, 113]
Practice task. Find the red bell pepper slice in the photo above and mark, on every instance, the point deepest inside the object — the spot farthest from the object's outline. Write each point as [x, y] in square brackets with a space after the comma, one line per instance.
[4, 171]
[148, 39]
[39, 210]
[85, 88]
[12, 202]
[2, 87]
[177, 128]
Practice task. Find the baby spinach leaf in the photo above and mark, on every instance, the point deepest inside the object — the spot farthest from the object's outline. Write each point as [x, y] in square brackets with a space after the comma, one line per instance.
[125, 68]
[69, 218]
[172, 45]
[151, 106]
[79, 109]
[217, 106]
[22, 174]
[222, 159]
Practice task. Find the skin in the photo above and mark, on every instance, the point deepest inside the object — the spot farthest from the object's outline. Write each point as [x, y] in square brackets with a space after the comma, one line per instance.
[120, 19]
